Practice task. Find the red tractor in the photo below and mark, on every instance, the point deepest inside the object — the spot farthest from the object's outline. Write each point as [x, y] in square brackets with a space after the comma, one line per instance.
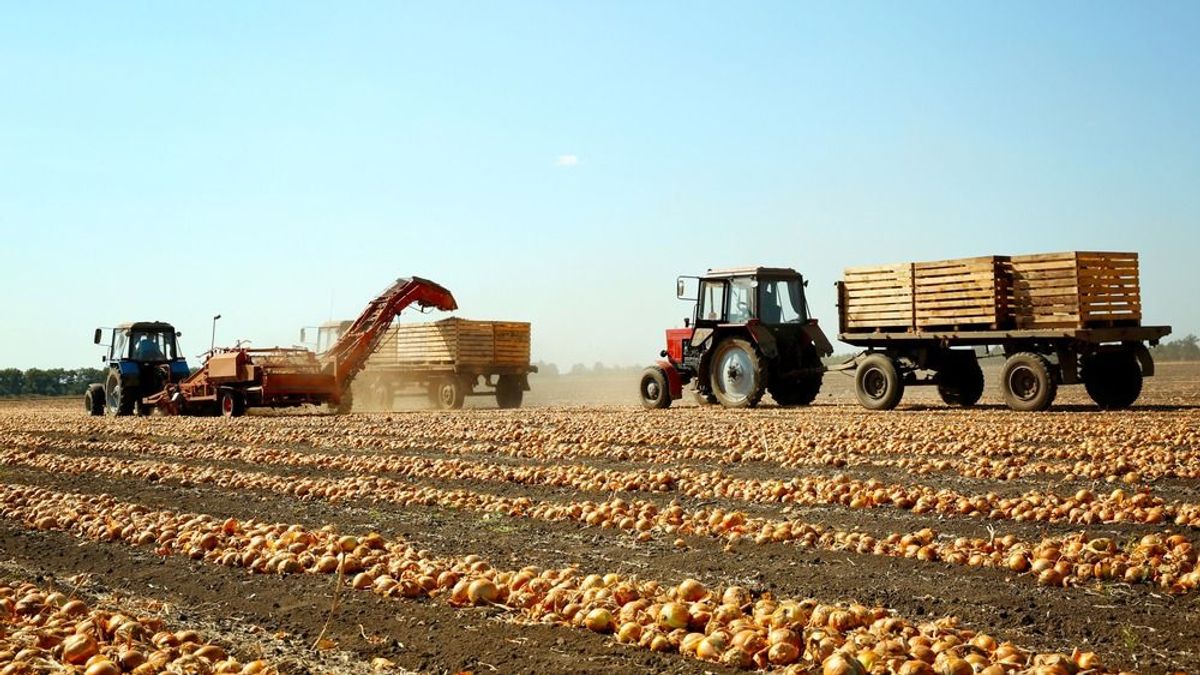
[750, 333]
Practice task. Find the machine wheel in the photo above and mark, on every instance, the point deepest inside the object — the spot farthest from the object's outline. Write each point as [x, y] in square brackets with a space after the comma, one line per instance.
[509, 392]
[797, 392]
[1112, 379]
[961, 383]
[654, 390]
[231, 403]
[118, 400]
[1028, 382]
[877, 383]
[449, 394]
[736, 375]
[93, 400]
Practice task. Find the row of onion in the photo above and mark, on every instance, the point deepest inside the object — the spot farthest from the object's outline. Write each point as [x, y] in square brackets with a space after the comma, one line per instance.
[728, 625]
[1167, 561]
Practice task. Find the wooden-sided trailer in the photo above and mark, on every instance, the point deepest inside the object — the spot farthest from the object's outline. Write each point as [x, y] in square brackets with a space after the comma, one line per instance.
[1059, 318]
[449, 360]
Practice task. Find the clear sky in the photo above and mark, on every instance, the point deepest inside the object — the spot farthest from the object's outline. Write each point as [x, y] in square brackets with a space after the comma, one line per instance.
[562, 162]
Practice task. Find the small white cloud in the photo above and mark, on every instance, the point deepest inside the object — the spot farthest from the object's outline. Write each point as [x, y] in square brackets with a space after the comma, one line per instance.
[567, 160]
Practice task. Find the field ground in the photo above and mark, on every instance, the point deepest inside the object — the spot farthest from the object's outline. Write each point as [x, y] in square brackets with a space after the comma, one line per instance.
[1060, 532]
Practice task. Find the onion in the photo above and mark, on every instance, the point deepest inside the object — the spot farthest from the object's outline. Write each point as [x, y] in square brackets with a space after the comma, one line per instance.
[599, 620]
[673, 615]
[77, 649]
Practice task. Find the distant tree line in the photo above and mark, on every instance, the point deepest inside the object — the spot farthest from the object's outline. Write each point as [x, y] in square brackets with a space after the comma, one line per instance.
[1186, 348]
[50, 382]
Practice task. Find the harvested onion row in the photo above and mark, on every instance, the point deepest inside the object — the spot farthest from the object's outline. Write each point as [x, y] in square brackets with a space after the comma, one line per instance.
[729, 626]
[1083, 507]
[1108, 447]
[46, 631]
[1166, 561]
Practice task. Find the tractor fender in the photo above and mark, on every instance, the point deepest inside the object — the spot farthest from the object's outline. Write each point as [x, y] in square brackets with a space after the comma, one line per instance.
[674, 380]
[128, 373]
[763, 339]
[819, 340]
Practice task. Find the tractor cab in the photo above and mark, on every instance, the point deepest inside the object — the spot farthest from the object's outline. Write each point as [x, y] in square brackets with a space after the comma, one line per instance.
[142, 357]
[750, 332]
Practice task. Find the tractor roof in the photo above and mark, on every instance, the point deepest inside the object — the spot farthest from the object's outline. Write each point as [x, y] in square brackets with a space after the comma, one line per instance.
[146, 325]
[751, 272]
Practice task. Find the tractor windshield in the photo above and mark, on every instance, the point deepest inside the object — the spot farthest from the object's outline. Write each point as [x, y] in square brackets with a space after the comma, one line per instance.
[147, 345]
[781, 301]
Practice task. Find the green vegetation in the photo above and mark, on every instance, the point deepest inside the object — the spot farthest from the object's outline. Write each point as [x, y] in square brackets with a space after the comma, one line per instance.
[51, 382]
[1186, 348]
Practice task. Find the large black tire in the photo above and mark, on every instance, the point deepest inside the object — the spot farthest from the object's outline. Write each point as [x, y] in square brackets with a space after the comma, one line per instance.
[449, 393]
[231, 403]
[119, 400]
[960, 382]
[877, 383]
[1028, 382]
[93, 400]
[509, 391]
[653, 389]
[1112, 379]
[736, 374]
[797, 392]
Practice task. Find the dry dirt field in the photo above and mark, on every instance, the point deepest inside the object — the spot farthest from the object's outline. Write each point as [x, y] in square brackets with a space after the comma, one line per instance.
[584, 534]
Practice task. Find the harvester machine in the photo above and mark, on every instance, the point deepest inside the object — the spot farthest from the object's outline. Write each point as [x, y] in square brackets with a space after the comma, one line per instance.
[235, 379]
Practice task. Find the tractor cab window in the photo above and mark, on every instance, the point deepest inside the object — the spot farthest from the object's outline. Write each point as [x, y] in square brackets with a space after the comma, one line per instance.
[711, 306]
[741, 300]
[781, 301]
[152, 346]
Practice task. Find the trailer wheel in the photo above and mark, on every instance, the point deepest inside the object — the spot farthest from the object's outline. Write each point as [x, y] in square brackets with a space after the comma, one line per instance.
[509, 392]
[450, 394]
[877, 383]
[736, 374]
[93, 400]
[1028, 382]
[1113, 379]
[654, 390]
[231, 403]
[961, 383]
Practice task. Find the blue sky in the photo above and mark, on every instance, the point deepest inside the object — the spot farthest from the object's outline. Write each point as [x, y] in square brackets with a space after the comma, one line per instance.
[280, 163]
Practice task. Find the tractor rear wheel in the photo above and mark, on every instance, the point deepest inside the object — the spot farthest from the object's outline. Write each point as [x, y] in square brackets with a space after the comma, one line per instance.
[654, 389]
[736, 374]
[450, 394]
[93, 400]
[961, 382]
[231, 403]
[509, 392]
[1113, 379]
[118, 399]
[1028, 382]
[878, 383]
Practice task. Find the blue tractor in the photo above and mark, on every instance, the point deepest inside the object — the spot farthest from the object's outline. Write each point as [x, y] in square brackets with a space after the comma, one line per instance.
[143, 358]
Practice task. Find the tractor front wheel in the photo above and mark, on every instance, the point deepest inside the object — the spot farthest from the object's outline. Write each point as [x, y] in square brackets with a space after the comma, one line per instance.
[736, 374]
[654, 389]
[93, 400]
